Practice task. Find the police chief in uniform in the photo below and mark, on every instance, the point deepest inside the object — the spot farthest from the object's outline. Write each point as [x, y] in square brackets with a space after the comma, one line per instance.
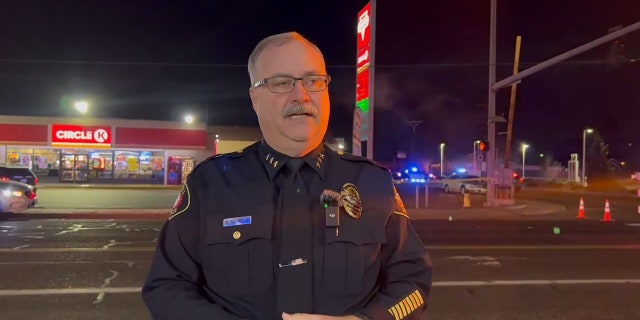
[288, 228]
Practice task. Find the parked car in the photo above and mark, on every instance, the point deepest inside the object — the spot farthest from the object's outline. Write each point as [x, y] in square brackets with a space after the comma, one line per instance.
[23, 175]
[16, 196]
[464, 183]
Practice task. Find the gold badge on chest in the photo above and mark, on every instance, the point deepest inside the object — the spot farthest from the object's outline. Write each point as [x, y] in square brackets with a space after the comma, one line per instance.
[351, 201]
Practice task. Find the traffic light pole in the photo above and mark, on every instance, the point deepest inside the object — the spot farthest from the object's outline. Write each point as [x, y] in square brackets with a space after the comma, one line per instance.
[494, 87]
[491, 108]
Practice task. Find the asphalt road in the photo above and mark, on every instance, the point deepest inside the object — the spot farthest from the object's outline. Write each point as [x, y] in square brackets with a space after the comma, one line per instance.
[93, 269]
[622, 206]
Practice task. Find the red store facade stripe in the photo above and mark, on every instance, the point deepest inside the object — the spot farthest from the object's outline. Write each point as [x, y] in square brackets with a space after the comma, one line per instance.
[160, 138]
[32, 134]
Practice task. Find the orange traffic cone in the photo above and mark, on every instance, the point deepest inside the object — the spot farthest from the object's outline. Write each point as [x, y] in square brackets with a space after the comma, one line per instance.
[581, 210]
[607, 212]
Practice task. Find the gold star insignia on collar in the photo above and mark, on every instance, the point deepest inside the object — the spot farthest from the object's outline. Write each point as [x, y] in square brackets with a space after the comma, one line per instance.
[271, 160]
[319, 160]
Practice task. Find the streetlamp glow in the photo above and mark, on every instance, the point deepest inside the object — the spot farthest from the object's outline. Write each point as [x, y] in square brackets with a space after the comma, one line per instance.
[188, 119]
[524, 150]
[81, 106]
[584, 157]
[442, 159]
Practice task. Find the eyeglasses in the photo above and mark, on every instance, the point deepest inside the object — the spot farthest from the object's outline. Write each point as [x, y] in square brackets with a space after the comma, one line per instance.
[285, 84]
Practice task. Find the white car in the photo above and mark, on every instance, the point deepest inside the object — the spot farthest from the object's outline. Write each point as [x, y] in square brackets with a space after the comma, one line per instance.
[16, 196]
[464, 183]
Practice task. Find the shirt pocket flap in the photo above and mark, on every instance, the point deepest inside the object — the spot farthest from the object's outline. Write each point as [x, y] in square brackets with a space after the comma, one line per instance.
[259, 228]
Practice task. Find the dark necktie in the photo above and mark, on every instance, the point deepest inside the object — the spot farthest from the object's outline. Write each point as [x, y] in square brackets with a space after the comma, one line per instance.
[294, 279]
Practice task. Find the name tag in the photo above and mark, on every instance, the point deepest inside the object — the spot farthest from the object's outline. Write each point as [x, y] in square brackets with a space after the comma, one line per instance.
[237, 221]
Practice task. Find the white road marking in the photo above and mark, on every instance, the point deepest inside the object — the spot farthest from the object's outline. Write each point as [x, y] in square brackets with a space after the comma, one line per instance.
[55, 250]
[428, 247]
[534, 247]
[106, 284]
[480, 260]
[533, 282]
[129, 263]
[52, 291]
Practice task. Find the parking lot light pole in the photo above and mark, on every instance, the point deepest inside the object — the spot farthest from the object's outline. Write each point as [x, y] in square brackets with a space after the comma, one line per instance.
[584, 158]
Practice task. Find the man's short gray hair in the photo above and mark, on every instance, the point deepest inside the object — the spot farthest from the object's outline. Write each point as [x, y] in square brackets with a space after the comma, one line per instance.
[275, 40]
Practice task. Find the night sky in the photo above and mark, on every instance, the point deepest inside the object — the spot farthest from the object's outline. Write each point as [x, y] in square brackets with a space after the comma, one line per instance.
[140, 59]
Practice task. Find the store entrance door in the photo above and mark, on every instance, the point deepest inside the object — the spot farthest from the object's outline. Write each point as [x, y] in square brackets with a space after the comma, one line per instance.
[74, 168]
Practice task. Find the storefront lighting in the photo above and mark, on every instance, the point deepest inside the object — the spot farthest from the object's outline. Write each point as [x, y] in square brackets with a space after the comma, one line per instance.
[81, 106]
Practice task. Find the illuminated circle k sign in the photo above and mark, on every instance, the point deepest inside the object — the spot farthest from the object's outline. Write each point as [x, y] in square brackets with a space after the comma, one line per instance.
[101, 136]
[78, 136]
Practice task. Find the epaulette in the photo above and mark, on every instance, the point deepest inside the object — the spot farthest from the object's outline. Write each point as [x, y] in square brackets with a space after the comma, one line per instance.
[354, 158]
[234, 154]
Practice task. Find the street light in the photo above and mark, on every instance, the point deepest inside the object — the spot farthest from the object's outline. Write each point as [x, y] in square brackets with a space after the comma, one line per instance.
[442, 159]
[524, 149]
[584, 151]
[188, 119]
[81, 106]
[475, 170]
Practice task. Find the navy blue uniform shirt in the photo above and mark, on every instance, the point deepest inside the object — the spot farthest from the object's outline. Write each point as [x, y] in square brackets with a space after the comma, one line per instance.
[248, 239]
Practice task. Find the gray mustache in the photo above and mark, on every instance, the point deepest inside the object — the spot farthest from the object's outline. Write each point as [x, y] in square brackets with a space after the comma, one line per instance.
[300, 109]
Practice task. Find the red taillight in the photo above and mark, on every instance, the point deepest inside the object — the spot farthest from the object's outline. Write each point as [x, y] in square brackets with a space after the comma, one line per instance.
[5, 179]
[35, 180]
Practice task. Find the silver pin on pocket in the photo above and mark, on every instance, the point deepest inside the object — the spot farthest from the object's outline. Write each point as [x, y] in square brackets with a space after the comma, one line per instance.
[293, 263]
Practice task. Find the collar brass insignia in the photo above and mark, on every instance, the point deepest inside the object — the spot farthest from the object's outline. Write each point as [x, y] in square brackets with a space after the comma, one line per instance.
[351, 200]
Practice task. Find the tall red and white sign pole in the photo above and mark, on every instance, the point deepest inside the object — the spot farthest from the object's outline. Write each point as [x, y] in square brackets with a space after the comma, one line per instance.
[363, 113]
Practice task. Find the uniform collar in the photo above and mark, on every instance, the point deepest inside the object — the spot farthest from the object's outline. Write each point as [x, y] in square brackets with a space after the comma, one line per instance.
[273, 160]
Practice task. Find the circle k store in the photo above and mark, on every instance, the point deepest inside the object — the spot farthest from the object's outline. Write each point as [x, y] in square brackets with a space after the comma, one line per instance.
[116, 151]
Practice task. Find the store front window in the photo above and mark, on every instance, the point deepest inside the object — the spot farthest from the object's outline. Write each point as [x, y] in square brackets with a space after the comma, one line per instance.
[42, 161]
[141, 166]
[90, 166]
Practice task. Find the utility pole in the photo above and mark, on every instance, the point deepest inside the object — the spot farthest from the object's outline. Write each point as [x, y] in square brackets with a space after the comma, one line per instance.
[491, 106]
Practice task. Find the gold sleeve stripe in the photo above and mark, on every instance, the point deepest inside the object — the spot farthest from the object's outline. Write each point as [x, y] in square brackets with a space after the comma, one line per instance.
[410, 303]
[419, 296]
[414, 300]
[404, 312]
[394, 313]
[407, 305]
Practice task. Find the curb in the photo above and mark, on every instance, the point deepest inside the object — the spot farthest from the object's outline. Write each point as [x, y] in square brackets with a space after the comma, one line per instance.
[116, 213]
[110, 186]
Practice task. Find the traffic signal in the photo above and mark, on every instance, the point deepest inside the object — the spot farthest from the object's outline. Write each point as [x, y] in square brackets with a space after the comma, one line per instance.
[483, 146]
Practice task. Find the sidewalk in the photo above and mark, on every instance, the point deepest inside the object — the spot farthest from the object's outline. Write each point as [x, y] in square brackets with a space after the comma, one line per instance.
[532, 210]
[523, 209]
[107, 186]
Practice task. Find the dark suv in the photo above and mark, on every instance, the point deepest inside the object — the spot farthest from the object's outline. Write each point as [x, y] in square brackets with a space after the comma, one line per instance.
[24, 175]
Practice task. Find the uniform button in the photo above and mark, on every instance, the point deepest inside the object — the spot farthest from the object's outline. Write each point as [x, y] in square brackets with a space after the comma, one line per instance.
[237, 235]
[298, 190]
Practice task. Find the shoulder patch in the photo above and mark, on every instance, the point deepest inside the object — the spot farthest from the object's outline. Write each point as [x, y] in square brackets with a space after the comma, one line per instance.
[398, 206]
[242, 152]
[354, 158]
[233, 154]
[182, 203]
